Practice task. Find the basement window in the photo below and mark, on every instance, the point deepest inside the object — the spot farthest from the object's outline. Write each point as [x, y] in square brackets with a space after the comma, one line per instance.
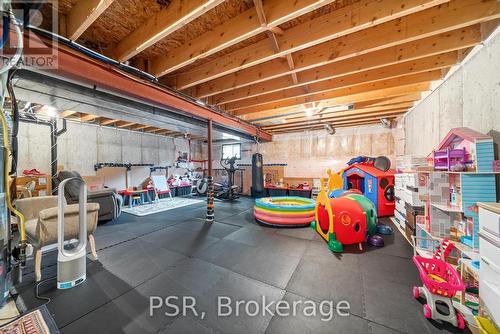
[231, 150]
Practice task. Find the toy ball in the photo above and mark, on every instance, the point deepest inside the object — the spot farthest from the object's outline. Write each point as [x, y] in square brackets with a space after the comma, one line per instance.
[376, 240]
[384, 229]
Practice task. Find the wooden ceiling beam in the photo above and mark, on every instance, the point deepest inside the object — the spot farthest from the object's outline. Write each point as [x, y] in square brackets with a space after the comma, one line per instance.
[376, 92]
[165, 22]
[377, 104]
[392, 71]
[325, 114]
[82, 15]
[123, 124]
[322, 126]
[383, 113]
[454, 40]
[344, 92]
[139, 127]
[388, 101]
[335, 123]
[108, 122]
[66, 113]
[233, 31]
[324, 28]
[88, 117]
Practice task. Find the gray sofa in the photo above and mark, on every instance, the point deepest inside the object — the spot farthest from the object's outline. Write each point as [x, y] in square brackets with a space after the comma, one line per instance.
[109, 201]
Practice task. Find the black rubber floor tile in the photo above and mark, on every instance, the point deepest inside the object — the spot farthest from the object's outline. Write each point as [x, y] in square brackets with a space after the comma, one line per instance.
[136, 261]
[224, 253]
[284, 245]
[250, 236]
[238, 288]
[319, 281]
[306, 233]
[109, 239]
[389, 268]
[196, 276]
[380, 329]
[100, 288]
[272, 268]
[392, 305]
[394, 244]
[187, 325]
[325, 320]
[130, 313]
[244, 218]
[181, 240]
[215, 229]
[319, 252]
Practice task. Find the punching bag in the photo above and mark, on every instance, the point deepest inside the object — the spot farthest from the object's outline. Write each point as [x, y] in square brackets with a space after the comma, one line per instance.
[257, 175]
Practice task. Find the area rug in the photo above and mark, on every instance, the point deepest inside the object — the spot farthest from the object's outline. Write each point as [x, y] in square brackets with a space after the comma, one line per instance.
[162, 205]
[38, 321]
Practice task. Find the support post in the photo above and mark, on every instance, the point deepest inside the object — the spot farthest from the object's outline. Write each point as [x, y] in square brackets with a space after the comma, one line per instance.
[210, 180]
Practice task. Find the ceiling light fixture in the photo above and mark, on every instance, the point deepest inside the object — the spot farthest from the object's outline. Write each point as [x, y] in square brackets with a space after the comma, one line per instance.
[51, 111]
[340, 107]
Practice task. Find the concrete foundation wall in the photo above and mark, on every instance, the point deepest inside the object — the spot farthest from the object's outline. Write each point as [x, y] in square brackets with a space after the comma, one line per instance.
[84, 145]
[310, 154]
[468, 98]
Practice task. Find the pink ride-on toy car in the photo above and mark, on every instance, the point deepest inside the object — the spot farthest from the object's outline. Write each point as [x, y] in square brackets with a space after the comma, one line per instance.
[441, 282]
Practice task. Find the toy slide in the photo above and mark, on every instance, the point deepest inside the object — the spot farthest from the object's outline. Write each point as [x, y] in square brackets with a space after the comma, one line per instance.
[284, 211]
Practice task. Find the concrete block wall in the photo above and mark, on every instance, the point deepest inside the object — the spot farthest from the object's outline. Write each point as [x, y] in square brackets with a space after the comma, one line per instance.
[470, 97]
[84, 145]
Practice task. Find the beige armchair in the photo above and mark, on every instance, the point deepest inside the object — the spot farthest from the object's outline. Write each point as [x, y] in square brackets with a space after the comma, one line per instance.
[41, 224]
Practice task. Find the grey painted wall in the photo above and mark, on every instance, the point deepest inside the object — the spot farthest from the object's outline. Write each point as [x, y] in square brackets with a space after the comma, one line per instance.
[468, 98]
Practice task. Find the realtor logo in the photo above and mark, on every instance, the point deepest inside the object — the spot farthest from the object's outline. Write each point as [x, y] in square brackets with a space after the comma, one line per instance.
[36, 51]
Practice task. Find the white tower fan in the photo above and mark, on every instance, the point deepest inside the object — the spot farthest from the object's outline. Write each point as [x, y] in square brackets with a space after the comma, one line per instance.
[71, 263]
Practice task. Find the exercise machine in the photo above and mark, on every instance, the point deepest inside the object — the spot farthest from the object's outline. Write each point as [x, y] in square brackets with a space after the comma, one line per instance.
[228, 190]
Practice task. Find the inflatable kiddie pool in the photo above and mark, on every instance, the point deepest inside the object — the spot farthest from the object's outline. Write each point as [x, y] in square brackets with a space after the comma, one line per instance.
[284, 211]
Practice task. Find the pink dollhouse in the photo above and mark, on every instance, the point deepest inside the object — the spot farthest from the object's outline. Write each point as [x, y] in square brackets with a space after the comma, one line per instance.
[464, 149]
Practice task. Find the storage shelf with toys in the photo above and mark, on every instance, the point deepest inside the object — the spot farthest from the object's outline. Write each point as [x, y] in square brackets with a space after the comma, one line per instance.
[460, 174]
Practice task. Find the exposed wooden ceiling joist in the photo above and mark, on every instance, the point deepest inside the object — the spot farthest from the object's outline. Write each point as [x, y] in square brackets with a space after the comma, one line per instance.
[165, 22]
[322, 127]
[454, 40]
[325, 115]
[88, 118]
[389, 101]
[351, 117]
[319, 30]
[82, 15]
[139, 127]
[108, 121]
[67, 113]
[392, 71]
[274, 109]
[336, 123]
[235, 30]
[123, 124]
[428, 23]
[344, 93]
[294, 113]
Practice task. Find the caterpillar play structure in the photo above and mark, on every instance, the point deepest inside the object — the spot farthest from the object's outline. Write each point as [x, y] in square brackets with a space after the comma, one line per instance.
[285, 211]
[350, 218]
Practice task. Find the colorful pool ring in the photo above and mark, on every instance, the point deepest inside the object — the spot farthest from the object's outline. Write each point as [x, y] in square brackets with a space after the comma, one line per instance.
[284, 211]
